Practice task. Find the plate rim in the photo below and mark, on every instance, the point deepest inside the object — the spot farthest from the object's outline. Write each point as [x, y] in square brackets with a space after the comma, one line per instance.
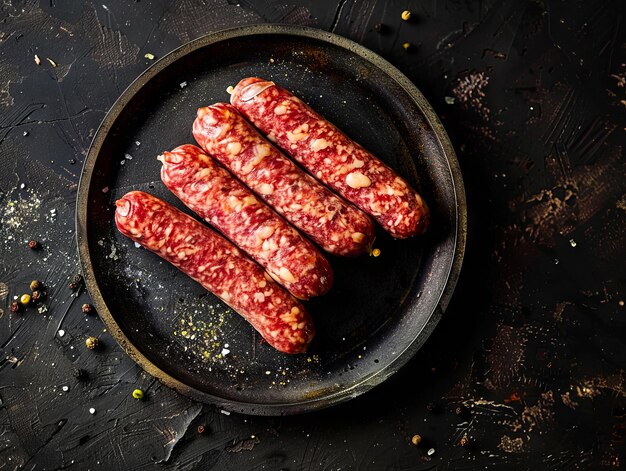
[319, 402]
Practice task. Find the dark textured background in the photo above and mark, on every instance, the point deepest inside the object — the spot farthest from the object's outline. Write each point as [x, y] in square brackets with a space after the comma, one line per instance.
[533, 94]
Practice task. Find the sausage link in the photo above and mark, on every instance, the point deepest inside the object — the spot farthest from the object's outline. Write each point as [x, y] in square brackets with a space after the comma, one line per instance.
[225, 203]
[332, 157]
[218, 266]
[334, 224]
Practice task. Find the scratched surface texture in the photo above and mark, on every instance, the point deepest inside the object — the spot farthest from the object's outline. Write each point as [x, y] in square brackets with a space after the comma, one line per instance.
[533, 94]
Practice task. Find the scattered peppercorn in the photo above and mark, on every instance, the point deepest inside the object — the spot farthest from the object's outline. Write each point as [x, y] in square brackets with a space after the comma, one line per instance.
[92, 343]
[406, 15]
[416, 440]
[15, 306]
[461, 411]
[35, 285]
[33, 244]
[36, 296]
[72, 161]
[87, 308]
[407, 46]
[379, 27]
[138, 394]
[75, 282]
[464, 441]
[25, 299]
[375, 252]
[79, 373]
[201, 429]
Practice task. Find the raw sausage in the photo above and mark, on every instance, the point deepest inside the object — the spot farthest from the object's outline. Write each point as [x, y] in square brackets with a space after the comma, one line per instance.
[336, 225]
[225, 203]
[218, 266]
[332, 157]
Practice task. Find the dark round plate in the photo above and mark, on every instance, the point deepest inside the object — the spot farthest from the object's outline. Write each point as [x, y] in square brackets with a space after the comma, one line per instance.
[380, 310]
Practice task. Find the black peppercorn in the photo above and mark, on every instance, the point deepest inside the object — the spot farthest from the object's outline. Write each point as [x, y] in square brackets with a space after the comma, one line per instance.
[379, 27]
[75, 282]
[78, 373]
[461, 411]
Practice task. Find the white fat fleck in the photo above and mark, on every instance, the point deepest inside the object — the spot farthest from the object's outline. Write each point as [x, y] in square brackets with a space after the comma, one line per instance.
[319, 144]
[286, 275]
[358, 237]
[233, 148]
[266, 189]
[357, 180]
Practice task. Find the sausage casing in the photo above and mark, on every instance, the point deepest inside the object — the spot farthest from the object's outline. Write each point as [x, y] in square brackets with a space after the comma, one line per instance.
[334, 224]
[217, 265]
[332, 157]
[221, 200]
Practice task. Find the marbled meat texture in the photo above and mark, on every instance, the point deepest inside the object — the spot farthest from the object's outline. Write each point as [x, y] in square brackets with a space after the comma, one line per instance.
[332, 157]
[221, 200]
[219, 266]
[334, 224]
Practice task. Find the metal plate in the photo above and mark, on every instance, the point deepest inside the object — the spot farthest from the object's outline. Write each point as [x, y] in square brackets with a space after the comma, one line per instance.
[380, 310]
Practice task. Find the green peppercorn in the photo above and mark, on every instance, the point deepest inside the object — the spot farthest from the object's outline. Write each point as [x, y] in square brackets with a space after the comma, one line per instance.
[35, 285]
[138, 394]
[92, 343]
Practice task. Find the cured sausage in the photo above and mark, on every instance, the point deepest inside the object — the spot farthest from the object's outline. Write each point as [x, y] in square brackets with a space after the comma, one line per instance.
[334, 224]
[332, 157]
[218, 266]
[225, 203]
